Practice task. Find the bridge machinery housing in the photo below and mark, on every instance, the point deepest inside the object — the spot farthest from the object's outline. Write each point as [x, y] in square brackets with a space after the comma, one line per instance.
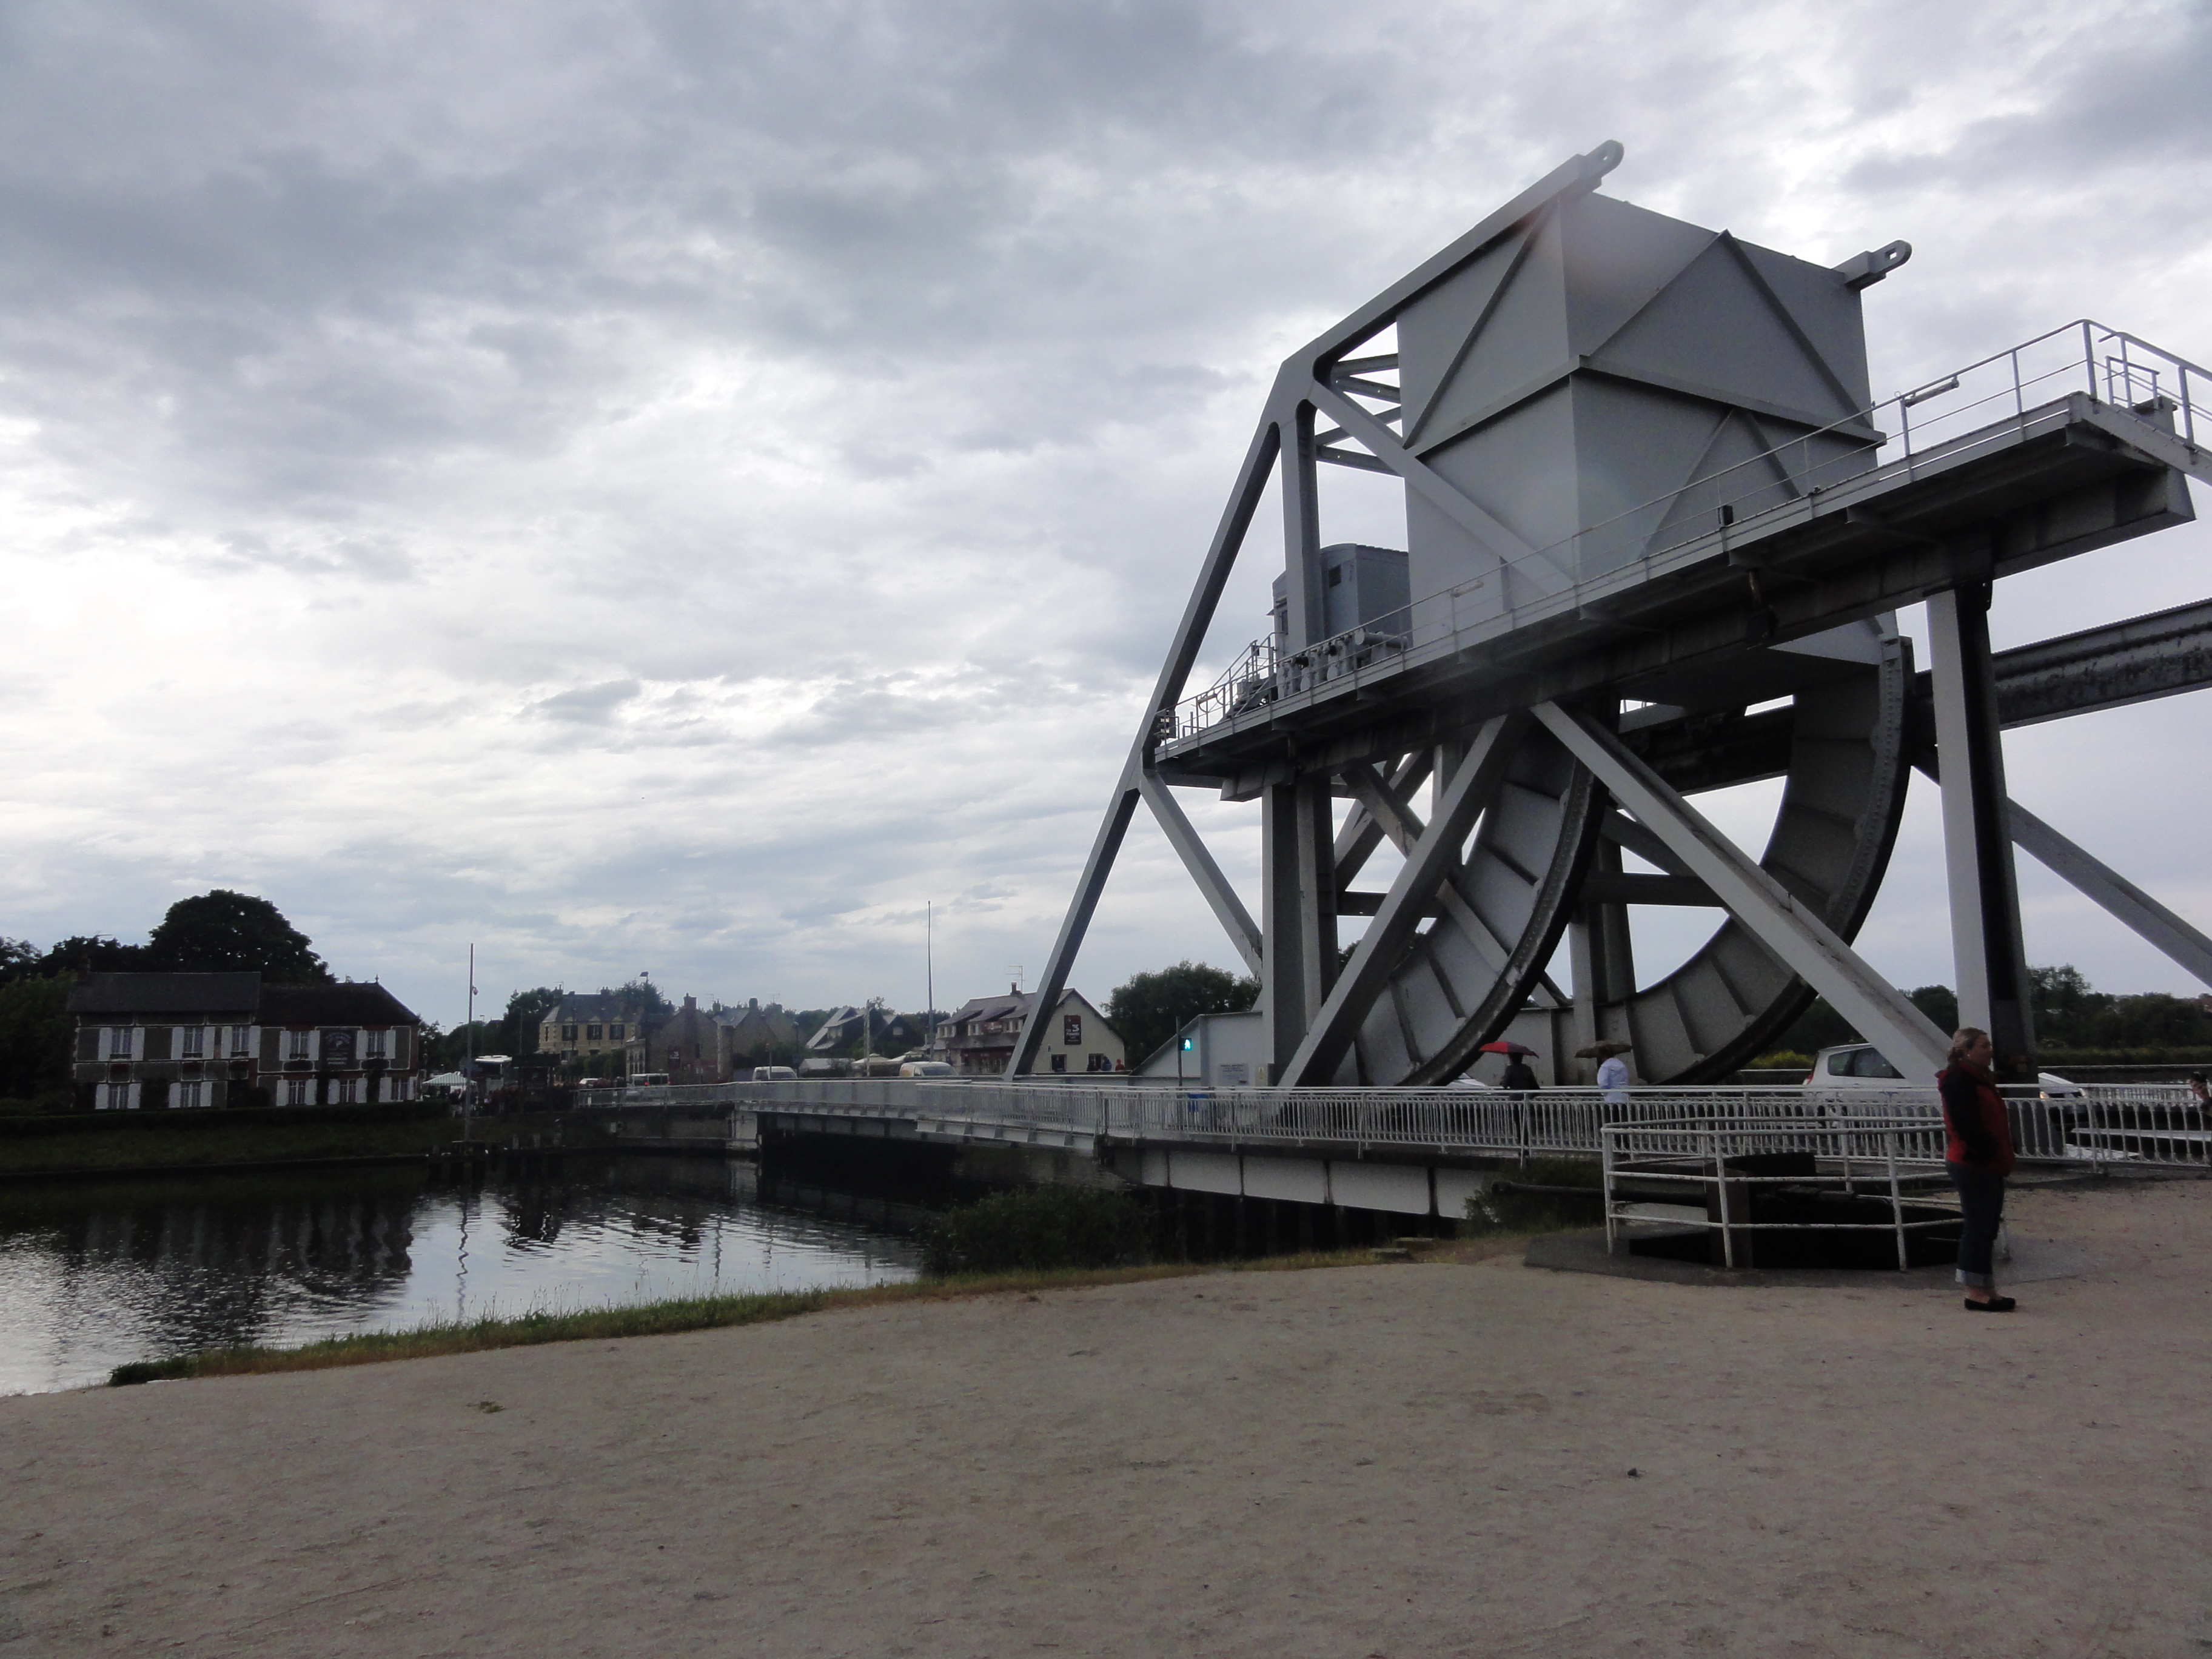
[1657, 531]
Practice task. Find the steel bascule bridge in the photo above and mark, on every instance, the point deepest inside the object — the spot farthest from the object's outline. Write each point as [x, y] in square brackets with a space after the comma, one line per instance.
[1657, 531]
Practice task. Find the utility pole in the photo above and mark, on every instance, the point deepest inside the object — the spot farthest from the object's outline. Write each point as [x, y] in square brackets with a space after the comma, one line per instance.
[468, 1048]
[929, 969]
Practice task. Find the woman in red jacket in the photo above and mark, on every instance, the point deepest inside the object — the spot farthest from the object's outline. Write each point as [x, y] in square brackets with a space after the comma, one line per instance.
[1977, 1154]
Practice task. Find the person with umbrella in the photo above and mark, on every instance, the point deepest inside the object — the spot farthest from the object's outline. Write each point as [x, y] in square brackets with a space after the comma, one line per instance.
[1612, 1071]
[1518, 1074]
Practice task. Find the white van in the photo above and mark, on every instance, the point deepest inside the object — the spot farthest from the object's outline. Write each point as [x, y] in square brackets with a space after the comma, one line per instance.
[925, 1068]
[775, 1074]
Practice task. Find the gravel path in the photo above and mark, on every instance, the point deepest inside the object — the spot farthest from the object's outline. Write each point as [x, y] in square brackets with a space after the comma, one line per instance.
[1423, 1460]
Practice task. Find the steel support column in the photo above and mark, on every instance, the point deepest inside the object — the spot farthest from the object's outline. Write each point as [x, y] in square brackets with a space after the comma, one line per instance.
[1282, 969]
[1989, 961]
[1316, 850]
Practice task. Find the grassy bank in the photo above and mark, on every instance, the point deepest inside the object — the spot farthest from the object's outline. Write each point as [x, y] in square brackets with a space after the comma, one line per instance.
[669, 1318]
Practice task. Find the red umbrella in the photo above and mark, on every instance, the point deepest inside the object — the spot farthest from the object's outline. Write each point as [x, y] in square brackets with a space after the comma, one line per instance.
[1514, 1050]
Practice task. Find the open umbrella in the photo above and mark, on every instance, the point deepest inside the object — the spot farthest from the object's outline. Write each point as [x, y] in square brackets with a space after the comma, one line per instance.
[1605, 1050]
[1516, 1049]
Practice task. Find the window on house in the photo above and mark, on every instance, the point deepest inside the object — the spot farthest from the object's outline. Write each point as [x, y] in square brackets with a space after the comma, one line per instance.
[119, 1043]
[189, 1094]
[295, 1091]
[241, 1037]
[194, 1044]
[1060, 1062]
[375, 1041]
[298, 1050]
[616, 1031]
[118, 1096]
[568, 1034]
[348, 1090]
[592, 1033]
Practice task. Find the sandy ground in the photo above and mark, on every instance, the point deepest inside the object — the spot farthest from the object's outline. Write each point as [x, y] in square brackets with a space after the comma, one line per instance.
[1400, 1460]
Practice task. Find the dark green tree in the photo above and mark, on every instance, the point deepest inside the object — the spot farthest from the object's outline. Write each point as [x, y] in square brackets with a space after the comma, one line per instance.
[223, 932]
[34, 1040]
[92, 953]
[642, 995]
[1147, 1009]
[19, 958]
[1940, 1003]
[525, 1014]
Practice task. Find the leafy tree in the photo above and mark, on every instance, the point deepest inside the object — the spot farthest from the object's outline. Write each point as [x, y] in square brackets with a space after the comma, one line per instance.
[223, 932]
[19, 958]
[525, 1015]
[92, 953]
[1148, 1009]
[1940, 1003]
[642, 995]
[35, 1028]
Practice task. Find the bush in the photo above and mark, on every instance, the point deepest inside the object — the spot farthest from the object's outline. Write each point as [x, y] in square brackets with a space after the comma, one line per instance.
[1036, 1228]
[1541, 1213]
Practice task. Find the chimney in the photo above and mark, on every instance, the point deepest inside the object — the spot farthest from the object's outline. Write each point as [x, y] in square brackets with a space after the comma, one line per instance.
[1013, 990]
[690, 1005]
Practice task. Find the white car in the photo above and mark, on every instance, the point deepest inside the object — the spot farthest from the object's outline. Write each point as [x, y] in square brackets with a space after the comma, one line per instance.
[1854, 1066]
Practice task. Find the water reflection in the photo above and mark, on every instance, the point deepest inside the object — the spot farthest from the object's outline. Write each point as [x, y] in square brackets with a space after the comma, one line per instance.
[94, 1274]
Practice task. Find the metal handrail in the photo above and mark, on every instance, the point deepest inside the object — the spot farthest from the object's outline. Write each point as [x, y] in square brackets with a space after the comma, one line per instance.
[2130, 1123]
[2112, 366]
[1864, 1156]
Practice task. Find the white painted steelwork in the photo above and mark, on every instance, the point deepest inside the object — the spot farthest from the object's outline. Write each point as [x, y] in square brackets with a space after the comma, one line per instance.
[2134, 1123]
[1648, 490]
[1897, 1162]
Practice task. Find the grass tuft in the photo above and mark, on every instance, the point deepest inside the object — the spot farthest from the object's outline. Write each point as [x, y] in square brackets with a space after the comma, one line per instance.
[441, 1337]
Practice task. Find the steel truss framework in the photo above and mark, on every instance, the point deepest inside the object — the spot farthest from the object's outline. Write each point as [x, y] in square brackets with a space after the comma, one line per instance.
[1513, 736]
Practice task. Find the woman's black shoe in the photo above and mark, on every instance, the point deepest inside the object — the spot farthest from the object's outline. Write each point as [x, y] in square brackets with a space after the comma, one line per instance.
[1994, 1304]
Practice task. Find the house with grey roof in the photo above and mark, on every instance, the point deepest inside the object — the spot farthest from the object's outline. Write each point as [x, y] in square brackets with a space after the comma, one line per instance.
[209, 1040]
[978, 1037]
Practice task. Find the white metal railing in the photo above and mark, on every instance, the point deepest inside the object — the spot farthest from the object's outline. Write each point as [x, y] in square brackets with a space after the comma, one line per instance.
[1723, 1163]
[2139, 1123]
[1986, 405]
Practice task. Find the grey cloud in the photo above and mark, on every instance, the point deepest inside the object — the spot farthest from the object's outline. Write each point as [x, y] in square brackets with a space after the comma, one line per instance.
[589, 705]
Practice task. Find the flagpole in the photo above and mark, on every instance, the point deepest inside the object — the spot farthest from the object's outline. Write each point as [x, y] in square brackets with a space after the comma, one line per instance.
[468, 1048]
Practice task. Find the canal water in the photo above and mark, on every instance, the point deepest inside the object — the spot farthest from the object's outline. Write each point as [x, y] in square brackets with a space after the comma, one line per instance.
[94, 1275]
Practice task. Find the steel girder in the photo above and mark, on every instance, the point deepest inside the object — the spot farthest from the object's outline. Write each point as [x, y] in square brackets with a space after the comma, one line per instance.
[1537, 781]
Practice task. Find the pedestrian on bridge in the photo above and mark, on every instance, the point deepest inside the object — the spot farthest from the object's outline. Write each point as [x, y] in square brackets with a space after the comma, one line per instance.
[1978, 1156]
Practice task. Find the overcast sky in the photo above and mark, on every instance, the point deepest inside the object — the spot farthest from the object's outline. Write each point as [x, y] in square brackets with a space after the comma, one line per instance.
[677, 487]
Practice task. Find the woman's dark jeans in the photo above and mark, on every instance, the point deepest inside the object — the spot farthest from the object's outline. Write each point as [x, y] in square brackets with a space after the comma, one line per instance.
[1981, 1203]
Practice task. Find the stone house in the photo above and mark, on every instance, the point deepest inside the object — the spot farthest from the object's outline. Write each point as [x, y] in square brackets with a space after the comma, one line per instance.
[584, 1024]
[209, 1040]
[690, 1045]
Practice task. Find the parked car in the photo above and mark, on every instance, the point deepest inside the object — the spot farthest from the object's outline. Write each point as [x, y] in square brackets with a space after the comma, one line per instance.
[775, 1074]
[1852, 1067]
[926, 1068]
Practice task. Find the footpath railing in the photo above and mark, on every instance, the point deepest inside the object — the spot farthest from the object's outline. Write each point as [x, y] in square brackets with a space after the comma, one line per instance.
[1723, 1166]
[2134, 1123]
[1972, 411]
